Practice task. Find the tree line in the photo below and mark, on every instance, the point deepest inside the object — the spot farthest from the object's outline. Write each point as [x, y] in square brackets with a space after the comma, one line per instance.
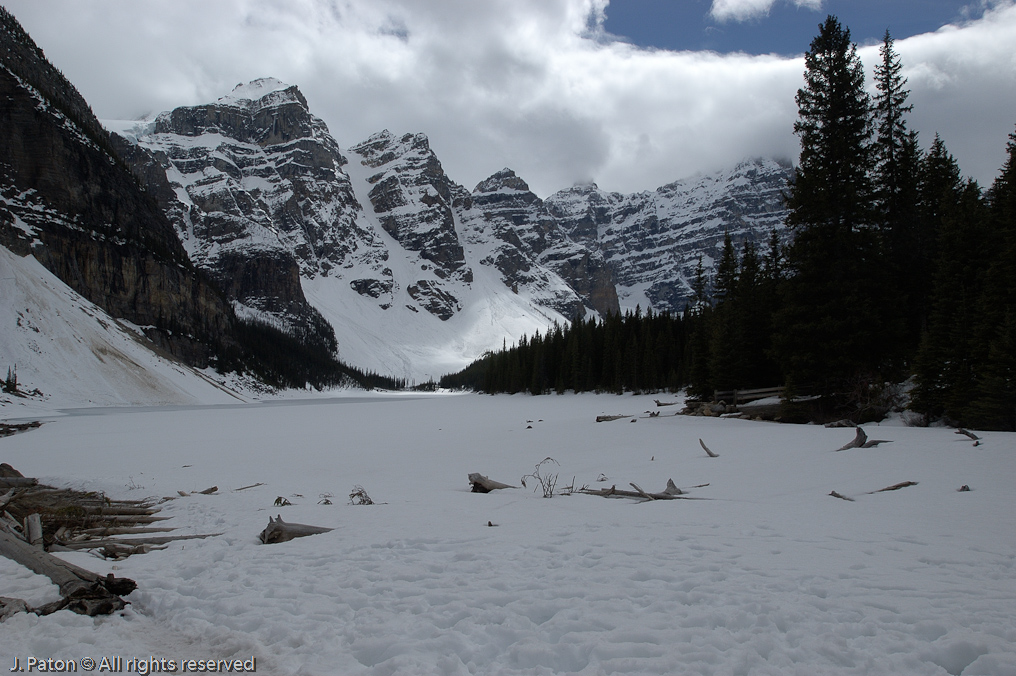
[898, 269]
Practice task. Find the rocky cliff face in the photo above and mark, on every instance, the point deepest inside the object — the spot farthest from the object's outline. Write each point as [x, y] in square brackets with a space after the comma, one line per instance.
[413, 201]
[255, 187]
[531, 250]
[68, 199]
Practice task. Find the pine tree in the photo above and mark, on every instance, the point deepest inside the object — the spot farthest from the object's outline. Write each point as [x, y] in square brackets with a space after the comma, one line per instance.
[832, 185]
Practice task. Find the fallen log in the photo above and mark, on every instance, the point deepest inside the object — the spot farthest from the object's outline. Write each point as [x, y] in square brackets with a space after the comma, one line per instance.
[9, 606]
[7, 497]
[33, 529]
[83, 591]
[130, 542]
[17, 482]
[280, 531]
[665, 403]
[608, 418]
[482, 484]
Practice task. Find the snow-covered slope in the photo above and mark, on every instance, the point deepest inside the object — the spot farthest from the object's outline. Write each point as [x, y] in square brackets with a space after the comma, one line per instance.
[68, 353]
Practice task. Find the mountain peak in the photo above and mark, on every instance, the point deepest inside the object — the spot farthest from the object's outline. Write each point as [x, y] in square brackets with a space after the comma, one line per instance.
[262, 92]
[506, 179]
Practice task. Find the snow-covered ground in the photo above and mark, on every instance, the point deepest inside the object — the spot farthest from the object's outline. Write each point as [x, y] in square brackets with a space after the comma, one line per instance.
[765, 573]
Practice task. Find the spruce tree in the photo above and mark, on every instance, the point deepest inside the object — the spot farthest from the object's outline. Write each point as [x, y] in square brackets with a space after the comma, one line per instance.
[908, 245]
[946, 367]
[996, 333]
[724, 350]
[895, 175]
[830, 334]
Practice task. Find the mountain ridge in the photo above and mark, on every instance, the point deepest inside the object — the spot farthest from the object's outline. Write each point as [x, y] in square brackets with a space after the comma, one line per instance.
[264, 199]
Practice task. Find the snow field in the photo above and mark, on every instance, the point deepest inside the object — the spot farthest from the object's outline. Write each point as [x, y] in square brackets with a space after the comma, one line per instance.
[767, 574]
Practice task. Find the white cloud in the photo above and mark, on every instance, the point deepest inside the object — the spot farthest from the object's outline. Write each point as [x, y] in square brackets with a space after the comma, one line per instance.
[530, 84]
[744, 10]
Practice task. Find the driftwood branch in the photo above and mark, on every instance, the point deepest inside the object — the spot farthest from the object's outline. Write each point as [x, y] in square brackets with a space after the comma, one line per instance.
[671, 492]
[894, 487]
[706, 449]
[280, 531]
[131, 542]
[841, 497]
[859, 438]
[861, 441]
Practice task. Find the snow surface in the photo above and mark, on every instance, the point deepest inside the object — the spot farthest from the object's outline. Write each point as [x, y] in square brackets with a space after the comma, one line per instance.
[765, 573]
[254, 90]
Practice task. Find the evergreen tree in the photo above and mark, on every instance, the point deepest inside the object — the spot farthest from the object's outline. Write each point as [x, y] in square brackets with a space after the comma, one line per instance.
[908, 245]
[895, 171]
[996, 333]
[726, 271]
[832, 187]
[725, 369]
[831, 332]
[945, 366]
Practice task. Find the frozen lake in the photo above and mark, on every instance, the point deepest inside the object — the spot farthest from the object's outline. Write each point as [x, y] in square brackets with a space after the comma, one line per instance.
[765, 574]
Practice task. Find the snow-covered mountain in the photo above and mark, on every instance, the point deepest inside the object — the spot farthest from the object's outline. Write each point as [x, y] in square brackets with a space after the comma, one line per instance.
[652, 240]
[416, 274]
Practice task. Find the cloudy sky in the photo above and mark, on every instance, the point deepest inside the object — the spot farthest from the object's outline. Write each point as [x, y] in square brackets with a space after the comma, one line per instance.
[629, 93]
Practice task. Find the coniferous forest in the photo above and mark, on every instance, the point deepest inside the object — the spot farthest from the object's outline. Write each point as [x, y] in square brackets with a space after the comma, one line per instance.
[897, 269]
